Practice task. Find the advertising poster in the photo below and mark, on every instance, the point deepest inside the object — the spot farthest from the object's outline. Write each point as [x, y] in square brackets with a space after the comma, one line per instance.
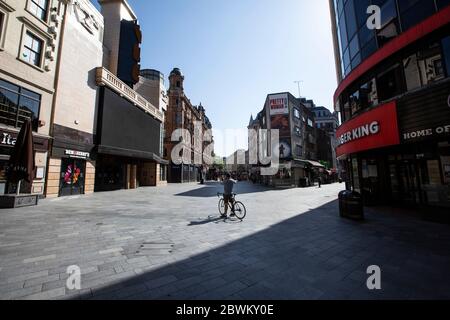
[281, 123]
[278, 104]
[284, 149]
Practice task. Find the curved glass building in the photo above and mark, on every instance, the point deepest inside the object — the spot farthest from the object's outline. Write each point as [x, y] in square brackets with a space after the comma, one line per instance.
[393, 98]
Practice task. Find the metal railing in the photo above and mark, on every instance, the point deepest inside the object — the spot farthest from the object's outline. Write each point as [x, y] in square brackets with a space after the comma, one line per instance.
[105, 78]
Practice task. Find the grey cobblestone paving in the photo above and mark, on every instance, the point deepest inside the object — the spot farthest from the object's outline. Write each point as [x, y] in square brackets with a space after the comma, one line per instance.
[168, 243]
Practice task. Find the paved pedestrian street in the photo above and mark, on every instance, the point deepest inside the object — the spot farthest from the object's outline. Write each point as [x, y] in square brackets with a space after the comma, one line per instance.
[169, 243]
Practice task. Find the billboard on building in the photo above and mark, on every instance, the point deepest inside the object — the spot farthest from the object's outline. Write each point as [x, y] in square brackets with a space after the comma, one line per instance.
[281, 122]
[278, 104]
[284, 148]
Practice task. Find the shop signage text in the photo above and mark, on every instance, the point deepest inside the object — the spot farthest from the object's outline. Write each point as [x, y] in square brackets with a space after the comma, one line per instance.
[426, 133]
[77, 154]
[360, 132]
[373, 129]
[8, 140]
[278, 104]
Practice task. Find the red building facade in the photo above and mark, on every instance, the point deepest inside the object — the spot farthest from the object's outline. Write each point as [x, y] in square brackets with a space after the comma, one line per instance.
[393, 99]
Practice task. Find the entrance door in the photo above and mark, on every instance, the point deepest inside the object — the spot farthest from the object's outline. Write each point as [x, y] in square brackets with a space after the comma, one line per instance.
[72, 177]
[405, 182]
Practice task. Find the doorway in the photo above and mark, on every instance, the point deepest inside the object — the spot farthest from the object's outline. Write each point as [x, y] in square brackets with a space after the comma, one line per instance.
[72, 177]
[407, 180]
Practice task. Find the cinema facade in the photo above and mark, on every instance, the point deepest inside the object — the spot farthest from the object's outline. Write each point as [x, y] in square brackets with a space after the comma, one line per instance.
[394, 102]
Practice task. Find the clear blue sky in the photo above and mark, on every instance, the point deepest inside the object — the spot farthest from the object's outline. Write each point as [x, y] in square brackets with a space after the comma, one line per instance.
[234, 52]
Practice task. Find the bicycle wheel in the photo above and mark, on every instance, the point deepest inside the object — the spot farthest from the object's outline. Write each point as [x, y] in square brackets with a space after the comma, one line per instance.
[222, 207]
[239, 210]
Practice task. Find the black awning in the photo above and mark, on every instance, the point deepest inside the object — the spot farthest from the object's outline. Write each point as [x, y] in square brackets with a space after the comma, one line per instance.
[307, 163]
[136, 154]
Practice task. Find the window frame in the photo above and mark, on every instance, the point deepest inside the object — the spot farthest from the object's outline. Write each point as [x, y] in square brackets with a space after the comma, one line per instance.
[22, 93]
[30, 31]
[46, 10]
[4, 11]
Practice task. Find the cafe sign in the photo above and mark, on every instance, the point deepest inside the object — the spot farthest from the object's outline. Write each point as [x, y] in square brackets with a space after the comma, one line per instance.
[8, 140]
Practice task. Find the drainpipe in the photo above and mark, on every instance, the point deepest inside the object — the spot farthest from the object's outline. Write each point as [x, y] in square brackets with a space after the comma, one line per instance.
[65, 3]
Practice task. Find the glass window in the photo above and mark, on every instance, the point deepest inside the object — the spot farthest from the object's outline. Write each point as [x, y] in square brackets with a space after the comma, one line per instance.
[413, 12]
[446, 52]
[355, 102]
[368, 49]
[354, 46]
[297, 131]
[350, 18]
[343, 32]
[346, 60]
[356, 61]
[368, 95]
[17, 105]
[32, 49]
[296, 113]
[361, 12]
[390, 83]
[412, 72]
[339, 6]
[441, 4]
[430, 64]
[365, 35]
[388, 12]
[28, 109]
[389, 23]
[39, 8]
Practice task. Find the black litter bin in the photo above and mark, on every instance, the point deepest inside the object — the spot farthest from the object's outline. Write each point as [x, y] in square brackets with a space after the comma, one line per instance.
[342, 204]
[351, 205]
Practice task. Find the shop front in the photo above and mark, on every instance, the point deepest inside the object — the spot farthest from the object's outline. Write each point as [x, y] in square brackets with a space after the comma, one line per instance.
[7, 141]
[127, 150]
[399, 153]
[71, 167]
[72, 172]
[363, 142]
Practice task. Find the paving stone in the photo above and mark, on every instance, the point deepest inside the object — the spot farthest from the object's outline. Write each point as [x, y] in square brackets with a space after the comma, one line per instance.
[293, 244]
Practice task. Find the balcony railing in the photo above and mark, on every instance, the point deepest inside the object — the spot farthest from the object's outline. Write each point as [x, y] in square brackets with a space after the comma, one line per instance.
[106, 78]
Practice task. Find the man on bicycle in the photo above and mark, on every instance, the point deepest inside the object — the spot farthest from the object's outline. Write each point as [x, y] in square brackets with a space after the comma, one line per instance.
[228, 185]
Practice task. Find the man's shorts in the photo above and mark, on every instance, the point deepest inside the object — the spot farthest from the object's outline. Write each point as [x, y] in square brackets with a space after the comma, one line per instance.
[227, 198]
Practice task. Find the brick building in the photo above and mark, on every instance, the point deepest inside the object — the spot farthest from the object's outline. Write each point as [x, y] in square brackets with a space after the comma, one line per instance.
[182, 114]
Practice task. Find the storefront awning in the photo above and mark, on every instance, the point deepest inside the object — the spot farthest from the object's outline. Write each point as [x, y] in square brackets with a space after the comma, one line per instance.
[303, 163]
[136, 154]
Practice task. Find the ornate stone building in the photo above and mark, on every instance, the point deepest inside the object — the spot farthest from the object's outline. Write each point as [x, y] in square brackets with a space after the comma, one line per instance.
[181, 114]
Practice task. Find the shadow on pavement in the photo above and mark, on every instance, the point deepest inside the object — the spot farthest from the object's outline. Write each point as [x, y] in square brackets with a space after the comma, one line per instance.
[211, 189]
[206, 221]
[315, 255]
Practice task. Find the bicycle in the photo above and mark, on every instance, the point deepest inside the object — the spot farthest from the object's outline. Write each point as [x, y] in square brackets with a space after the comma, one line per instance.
[236, 207]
